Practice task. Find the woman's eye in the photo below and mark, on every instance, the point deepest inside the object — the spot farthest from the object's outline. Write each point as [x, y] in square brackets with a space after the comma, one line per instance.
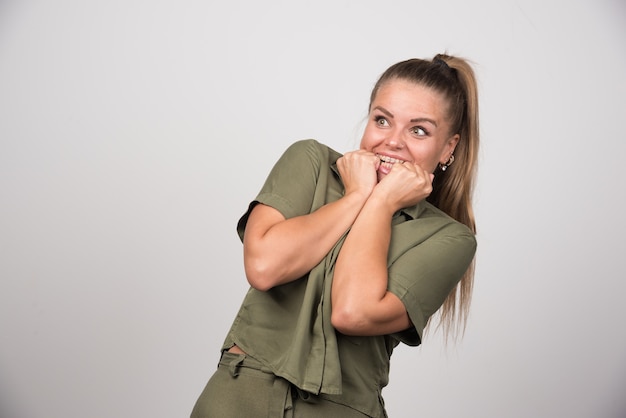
[381, 121]
[419, 131]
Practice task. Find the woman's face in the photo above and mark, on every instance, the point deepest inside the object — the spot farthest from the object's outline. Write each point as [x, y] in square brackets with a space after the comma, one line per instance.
[407, 123]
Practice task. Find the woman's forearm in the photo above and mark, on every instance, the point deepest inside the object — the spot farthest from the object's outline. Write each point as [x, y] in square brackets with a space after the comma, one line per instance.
[361, 304]
[277, 251]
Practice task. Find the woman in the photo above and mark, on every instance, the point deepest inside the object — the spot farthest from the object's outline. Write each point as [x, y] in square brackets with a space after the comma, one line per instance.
[384, 235]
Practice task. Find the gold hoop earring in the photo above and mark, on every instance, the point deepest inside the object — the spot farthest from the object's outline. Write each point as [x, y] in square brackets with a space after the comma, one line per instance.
[447, 164]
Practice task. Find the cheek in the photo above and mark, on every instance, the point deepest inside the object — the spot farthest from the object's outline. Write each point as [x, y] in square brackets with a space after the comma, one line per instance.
[371, 138]
[366, 140]
[426, 157]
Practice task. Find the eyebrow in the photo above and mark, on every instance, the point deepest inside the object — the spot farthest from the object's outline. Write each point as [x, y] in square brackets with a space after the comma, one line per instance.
[389, 114]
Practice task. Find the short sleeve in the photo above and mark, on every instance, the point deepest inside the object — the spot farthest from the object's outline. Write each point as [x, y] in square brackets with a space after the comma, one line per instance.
[291, 185]
[423, 276]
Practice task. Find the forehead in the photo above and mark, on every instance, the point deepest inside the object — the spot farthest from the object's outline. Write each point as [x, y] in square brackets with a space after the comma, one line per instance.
[402, 96]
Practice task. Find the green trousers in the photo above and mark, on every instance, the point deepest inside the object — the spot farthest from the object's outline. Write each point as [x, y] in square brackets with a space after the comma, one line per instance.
[242, 388]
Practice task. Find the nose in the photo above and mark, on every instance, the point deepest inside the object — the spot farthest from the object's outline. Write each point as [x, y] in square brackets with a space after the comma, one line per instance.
[394, 140]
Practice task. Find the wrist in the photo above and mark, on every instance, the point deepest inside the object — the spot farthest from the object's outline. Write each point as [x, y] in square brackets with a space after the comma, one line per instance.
[357, 196]
[382, 204]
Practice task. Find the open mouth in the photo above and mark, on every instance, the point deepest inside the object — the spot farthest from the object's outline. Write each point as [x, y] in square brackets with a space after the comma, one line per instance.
[386, 163]
[389, 160]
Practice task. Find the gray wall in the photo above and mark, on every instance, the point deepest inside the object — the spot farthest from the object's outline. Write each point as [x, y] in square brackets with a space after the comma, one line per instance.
[134, 133]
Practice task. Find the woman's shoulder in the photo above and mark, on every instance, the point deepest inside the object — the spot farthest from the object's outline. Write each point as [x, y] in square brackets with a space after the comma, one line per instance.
[313, 144]
[314, 147]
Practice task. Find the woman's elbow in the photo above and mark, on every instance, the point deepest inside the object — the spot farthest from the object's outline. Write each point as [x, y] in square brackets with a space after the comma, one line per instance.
[262, 274]
[260, 285]
[258, 278]
[347, 322]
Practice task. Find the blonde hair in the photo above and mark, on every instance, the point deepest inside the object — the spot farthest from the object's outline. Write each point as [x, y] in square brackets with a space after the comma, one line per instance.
[454, 78]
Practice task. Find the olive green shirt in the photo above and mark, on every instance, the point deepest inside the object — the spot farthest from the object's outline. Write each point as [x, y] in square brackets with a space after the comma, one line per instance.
[288, 329]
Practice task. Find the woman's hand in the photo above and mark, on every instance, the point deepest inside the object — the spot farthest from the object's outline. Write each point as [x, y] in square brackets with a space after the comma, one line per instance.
[358, 171]
[406, 185]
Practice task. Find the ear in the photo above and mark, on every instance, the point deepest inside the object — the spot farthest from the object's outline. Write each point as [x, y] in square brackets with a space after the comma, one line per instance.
[448, 148]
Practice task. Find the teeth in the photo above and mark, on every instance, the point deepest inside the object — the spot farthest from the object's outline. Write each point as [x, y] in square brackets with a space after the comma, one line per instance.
[390, 160]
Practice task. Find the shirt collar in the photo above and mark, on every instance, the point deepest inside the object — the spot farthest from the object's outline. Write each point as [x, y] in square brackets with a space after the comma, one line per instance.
[415, 211]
